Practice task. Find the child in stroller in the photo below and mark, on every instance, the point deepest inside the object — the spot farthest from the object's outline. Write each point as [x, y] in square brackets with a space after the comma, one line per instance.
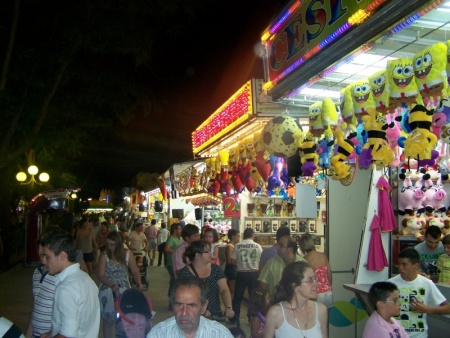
[134, 314]
[142, 264]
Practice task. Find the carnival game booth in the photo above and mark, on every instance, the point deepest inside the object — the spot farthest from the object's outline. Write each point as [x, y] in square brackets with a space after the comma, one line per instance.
[373, 76]
[51, 206]
[249, 146]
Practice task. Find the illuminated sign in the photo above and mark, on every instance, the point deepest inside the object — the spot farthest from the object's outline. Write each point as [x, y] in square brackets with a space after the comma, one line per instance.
[310, 27]
[231, 114]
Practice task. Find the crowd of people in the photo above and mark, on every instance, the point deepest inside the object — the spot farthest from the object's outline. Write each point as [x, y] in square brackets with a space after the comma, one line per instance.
[289, 294]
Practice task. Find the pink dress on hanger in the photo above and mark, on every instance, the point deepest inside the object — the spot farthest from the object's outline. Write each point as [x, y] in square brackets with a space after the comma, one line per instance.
[385, 210]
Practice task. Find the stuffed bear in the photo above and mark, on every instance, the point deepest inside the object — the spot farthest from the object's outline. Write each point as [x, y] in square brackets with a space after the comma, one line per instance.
[412, 225]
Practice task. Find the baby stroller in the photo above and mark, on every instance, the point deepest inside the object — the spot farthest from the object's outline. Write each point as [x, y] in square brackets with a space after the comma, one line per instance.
[142, 264]
[134, 314]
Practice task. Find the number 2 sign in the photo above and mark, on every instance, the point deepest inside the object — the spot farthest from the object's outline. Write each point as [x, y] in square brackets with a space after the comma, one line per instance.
[231, 206]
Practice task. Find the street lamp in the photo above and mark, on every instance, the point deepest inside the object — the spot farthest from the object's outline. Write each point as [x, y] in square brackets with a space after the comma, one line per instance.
[32, 170]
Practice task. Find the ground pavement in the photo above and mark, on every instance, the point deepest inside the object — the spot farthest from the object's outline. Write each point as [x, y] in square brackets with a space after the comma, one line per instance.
[16, 298]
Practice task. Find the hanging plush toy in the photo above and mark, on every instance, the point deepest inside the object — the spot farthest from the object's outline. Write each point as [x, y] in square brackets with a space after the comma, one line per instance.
[324, 151]
[410, 198]
[421, 141]
[225, 187]
[315, 119]
[412, 226]
[347, 111]
[376, 127]
[250, 147]
[380, 91]
[262, 162]
[329, 116]
[402, 86]
[308, 155]
[430, 70]
[338, 168]
[362, 97]
[278, 136]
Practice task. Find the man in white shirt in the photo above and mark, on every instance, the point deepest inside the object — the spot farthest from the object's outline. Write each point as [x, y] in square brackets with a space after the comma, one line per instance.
[418, 295]
[76, 308]
[189, 302]
[137, 241]
[246, 256]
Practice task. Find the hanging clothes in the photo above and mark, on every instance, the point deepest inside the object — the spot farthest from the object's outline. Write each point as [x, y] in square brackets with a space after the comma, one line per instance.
[376, 259]
[388, 221]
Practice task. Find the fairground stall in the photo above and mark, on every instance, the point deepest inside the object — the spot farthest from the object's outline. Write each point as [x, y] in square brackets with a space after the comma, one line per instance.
[246, 144]
[372, 78]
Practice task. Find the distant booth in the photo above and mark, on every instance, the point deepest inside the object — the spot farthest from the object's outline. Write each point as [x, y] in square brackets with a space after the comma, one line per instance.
[50, 206]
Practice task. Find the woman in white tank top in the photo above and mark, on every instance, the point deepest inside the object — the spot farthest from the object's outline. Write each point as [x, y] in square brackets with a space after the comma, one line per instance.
[294, 314]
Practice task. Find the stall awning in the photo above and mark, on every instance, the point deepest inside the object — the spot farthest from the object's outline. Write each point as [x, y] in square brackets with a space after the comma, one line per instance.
[94, 205]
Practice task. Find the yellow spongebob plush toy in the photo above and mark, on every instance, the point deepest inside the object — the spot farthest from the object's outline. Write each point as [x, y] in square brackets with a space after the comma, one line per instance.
[329, 116]
[315, 119]
[362, 98]
[403, 87]
[430, 70]
[380, 91]
[347, 111]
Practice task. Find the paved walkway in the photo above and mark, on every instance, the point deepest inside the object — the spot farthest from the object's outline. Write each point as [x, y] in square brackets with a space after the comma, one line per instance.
[16, 299]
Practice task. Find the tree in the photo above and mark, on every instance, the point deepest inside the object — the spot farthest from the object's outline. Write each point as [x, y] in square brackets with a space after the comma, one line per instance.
[70, 70]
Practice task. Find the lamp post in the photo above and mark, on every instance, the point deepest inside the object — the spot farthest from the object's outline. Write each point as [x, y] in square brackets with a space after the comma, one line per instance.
[33, 171]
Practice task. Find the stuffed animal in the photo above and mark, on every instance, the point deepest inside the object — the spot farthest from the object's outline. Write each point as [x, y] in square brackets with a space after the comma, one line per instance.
[421, 141]
[347, 111]
[376, 126]
[362, 98]
[324, 151]
[338, 168]
[430, 70]
[403, 88]
[412, 225]
[308, 155]
[410, 198]
[315, 119]
[380, 91]
[436, 203]
[329, 116]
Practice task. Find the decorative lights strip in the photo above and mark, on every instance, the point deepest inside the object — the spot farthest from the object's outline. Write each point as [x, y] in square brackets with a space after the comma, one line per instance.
[413, 18]
[233, 112]
[332, 69]
[354, 20]
[274, 28]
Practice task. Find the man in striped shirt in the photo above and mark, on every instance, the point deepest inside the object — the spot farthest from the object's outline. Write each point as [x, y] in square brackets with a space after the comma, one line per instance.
[189, 301]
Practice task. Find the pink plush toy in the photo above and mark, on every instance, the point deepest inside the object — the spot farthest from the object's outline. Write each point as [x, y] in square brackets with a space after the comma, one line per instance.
[410, 197]
[439, 196]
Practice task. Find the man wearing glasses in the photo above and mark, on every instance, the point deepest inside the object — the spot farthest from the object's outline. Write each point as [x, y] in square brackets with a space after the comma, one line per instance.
[270, 275]
[384, 298]
[189, 301]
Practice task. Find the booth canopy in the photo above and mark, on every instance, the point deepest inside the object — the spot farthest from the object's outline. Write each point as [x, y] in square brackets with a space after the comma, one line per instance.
[94, 205]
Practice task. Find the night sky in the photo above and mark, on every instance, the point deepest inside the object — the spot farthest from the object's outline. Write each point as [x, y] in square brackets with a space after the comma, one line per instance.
[195, 75]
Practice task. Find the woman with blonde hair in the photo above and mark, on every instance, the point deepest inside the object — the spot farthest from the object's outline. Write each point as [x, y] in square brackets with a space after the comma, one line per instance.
[295, 313]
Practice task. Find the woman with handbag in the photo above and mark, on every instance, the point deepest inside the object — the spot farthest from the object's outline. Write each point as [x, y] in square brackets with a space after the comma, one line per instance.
[113, 267]
[198, 253]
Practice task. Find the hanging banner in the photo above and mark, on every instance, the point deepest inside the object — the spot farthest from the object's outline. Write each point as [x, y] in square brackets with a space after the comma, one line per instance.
[231, 206]
[312, 24]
